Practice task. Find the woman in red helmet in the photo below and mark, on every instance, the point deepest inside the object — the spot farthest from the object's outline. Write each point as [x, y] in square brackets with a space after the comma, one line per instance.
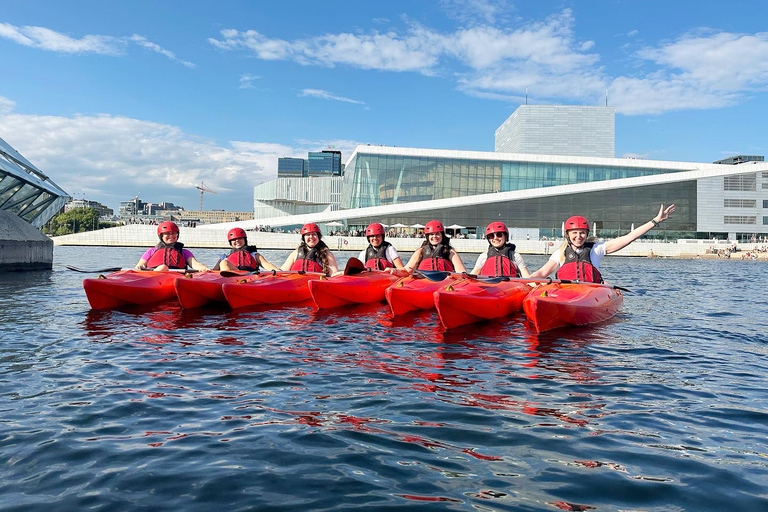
[500, 259]
[436, 252]
[579, 257]
[169, 252]
[380, 254]
[312, 255]
[242, 256]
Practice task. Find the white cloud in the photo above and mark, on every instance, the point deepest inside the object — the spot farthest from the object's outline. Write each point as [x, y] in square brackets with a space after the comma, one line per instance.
[318, 93]
[246, 81]
[476, 11]
[149, 45]
[47, 39]
[633, 33]
[111, 159]
[6, 105]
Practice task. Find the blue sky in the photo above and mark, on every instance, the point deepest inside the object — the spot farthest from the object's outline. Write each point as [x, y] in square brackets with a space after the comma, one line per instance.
[116, 99]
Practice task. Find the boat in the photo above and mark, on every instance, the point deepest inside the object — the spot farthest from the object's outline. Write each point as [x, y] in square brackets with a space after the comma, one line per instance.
[130, 287]
[416, 292]
[271, 289]
[363, 288]
[473, 300]
[563, 304]
[197, 290]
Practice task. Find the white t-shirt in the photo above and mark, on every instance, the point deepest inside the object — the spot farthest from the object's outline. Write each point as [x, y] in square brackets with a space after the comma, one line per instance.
[519, 263]
[391, 254]
[596, 255]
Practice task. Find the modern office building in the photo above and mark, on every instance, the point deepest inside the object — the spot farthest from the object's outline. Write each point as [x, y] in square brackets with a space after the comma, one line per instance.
[325, 163]
[104, 211]
[558, 130]
[292, 167]
[740, 159]
[25, 190]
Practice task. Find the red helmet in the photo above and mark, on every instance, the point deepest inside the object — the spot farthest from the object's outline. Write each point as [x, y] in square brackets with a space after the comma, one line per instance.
[496, 227]
[374, 229]
[167, 227]
[576, 222]
[310, 228]
[235, 233]
[434, 226]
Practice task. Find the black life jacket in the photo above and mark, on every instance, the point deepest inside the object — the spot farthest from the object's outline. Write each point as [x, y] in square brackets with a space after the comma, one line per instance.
[245, 258]
[168, 254]
[307, 260]
[578, 266]
[435, 257]
[500, 262]
[376, 259]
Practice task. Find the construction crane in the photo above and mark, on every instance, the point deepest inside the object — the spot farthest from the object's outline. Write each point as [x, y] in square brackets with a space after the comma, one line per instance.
[203, 189]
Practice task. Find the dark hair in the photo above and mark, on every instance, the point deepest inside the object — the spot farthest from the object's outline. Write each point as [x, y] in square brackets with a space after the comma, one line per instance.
[321, 249]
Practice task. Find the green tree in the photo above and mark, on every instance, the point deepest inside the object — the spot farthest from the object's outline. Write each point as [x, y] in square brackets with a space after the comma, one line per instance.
[73, 221]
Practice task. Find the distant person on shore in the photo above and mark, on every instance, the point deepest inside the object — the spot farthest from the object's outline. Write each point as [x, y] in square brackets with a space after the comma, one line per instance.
[380, 254]
[500, 259]
[242, 256]
[169, 253]
[579, 257]
[312, 255]
[436, 252]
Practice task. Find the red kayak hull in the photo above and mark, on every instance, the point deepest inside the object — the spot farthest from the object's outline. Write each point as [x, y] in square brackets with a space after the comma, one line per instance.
[269, 290]
[130, 287]
[559, 305]
[198, 290]
[470, 301]
[364, 288]
[414, 293]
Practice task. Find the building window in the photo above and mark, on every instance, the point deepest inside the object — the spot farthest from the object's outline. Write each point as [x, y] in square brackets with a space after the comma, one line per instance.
[740, 203]
[765, 203]
[739, 219]
[765, 221]
[740, 183]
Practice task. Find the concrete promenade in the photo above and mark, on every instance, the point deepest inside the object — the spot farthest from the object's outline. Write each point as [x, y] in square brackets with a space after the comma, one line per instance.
[137, 235]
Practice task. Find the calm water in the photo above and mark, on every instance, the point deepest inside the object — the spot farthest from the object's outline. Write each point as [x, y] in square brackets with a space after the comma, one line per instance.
[663, 408]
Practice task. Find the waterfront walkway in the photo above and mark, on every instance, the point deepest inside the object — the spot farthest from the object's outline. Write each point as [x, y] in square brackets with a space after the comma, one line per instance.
[137, 235]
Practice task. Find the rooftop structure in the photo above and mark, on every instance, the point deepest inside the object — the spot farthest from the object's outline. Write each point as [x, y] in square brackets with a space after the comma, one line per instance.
[25, 190]
[558, 130]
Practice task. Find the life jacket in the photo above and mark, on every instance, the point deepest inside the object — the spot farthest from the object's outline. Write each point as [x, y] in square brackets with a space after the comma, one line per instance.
[433, 258]
[245, 258]
[170, 255]
[307, 260]
[500, 262]
[376, 259]
[579, 267]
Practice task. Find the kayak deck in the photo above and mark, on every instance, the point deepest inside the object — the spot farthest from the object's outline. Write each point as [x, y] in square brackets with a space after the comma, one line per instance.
[197, 290]
[363, 288]
[469, 300]
[558, 305]
[270, 289]
[413, 293]
[130, 287]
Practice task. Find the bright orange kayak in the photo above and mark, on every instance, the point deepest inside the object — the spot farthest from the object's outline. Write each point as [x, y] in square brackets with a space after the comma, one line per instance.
[414, 292]
[559, 304]
[270, 289]
[130, 287]
[363, 288]
[471, 300]
[197, 290]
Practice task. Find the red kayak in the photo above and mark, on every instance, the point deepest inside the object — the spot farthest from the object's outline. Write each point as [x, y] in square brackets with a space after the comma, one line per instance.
[130, 287]
[363, 288]
[197, 290]
[270, 289]
[414, 292]
[472, 300]
[559, 304]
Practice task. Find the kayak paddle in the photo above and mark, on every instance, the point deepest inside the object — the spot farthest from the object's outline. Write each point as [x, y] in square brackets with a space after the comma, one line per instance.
[99, 271]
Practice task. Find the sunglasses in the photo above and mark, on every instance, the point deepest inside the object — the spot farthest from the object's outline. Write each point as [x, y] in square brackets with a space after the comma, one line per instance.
[496, 235]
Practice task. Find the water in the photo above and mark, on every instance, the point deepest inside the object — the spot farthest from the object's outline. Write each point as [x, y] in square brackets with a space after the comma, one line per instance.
[662, 408]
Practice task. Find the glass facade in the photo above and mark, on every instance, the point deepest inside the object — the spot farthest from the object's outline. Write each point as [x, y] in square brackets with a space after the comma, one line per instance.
[324, 163]
[291, 167]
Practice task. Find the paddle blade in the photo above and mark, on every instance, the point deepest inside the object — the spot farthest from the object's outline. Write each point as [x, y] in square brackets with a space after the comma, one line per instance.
[433, 275]
[99, 271]
[354, 266]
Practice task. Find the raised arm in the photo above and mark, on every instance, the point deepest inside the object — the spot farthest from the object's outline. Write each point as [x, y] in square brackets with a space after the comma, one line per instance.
[621, 242]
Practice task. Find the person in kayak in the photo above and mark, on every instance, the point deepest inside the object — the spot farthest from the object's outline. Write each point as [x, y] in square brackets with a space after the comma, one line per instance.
[242, 256]
[169, 253]
[312, 255]
[579, 257]
[500, 259]
[436, 252]
[380, 254]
